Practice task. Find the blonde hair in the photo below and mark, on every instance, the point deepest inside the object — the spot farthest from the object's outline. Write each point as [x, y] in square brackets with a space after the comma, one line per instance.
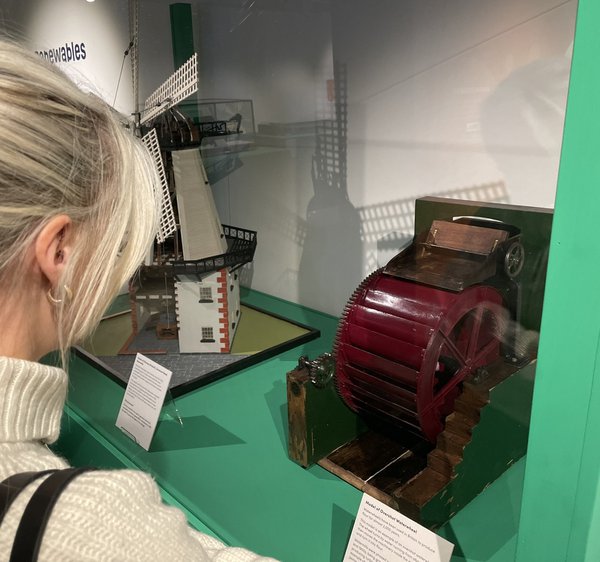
[63, 151]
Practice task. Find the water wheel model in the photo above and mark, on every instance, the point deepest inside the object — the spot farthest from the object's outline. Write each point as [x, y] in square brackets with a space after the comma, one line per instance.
[438, 313]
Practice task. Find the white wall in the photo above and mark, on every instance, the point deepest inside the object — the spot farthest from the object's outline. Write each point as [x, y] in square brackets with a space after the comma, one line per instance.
[101, 26]
[462, 99]
[453, 92]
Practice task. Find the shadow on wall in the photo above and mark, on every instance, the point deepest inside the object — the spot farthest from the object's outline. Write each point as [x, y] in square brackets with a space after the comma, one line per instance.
[521, 124]
[331, 250]
[398, 215]
[523, 118]
[388, 227]
[341, 244]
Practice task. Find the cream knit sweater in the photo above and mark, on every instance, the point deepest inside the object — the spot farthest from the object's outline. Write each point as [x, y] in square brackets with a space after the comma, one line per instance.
[114, 515]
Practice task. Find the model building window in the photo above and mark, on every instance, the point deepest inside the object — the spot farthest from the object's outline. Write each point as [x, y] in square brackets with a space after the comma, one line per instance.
[205, 294]
[207, 335]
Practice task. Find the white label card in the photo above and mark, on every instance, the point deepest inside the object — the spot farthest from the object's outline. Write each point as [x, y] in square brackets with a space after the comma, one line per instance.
[382, 534]
[143, 400]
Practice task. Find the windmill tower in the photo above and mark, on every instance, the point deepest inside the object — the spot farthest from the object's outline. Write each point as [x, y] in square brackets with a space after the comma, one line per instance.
[189, 289]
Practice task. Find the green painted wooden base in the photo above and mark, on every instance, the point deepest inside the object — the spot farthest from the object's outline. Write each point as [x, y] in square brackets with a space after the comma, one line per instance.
[318, 421]
[483, 437]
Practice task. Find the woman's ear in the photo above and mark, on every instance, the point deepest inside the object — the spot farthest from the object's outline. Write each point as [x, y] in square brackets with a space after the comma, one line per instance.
[53, 246]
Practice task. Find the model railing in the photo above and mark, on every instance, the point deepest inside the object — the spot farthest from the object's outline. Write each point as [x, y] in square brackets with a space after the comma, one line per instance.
[241, 245]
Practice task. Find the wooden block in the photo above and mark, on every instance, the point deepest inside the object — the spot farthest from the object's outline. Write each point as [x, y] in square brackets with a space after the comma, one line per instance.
[453, 443]
[443, 462]
[431, 485]
[318, 421]
[378, 464]
[373, 456]
[365, 455]
[467, 238]
[416, 493]
[296, 397]
[402, 470]
[166, 331]
[458, 422]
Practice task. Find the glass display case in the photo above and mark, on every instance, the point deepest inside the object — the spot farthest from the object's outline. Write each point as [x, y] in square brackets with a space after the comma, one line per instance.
[342, 133]
[226, 125]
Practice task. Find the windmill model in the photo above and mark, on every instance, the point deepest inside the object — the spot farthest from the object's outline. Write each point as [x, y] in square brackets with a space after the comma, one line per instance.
[188, 290]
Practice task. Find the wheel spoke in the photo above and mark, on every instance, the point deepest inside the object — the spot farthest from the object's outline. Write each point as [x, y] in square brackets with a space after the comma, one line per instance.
[483, 352]
[440, 397]
[474, 336]
[458, 355]
[474, 356]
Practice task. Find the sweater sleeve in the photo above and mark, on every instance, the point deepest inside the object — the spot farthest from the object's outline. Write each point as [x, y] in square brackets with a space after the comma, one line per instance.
[119, 516]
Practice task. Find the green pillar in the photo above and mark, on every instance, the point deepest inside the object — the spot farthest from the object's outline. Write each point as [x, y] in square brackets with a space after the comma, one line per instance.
[182, 39]
[559, 517]
[182, 32]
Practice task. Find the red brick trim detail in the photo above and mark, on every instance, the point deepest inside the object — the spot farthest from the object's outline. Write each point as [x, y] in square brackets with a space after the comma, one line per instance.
[223, 310]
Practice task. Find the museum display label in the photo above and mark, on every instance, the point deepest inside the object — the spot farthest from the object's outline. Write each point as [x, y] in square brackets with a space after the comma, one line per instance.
[382, 533]
[143, 400]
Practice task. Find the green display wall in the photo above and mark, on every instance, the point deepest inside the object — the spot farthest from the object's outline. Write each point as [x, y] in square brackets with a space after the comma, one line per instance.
[560, 498]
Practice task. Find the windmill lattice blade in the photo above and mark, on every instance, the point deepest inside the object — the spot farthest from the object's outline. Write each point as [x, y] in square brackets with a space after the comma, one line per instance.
[167, 225]
[181, 84]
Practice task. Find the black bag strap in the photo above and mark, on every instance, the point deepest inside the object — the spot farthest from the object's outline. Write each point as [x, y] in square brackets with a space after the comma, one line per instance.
[11, 487]
[28, 538]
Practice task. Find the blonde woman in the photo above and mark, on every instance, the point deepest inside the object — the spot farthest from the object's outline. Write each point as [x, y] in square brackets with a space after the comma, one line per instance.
[77, 214]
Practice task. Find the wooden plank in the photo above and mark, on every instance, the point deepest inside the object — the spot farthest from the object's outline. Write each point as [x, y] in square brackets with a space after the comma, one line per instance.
[403, 469]
[464, 237]
[367, 454]
[296, 397]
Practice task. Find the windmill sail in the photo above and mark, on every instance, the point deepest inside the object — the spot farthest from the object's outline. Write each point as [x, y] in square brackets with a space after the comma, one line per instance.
[181, 84]
[167, 225]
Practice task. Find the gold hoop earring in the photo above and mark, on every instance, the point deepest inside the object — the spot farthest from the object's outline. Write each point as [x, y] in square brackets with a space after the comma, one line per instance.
[68, 295]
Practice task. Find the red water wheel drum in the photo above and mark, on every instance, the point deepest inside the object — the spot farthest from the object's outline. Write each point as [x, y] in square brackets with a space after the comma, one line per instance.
[403, 349]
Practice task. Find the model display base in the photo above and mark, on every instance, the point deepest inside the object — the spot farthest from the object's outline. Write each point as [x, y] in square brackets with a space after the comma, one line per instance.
[483, 437]
[260, 335]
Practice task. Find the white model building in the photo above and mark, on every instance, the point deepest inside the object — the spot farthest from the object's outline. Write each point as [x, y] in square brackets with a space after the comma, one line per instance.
[207, 307]
[201, 307]
[208, 312]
